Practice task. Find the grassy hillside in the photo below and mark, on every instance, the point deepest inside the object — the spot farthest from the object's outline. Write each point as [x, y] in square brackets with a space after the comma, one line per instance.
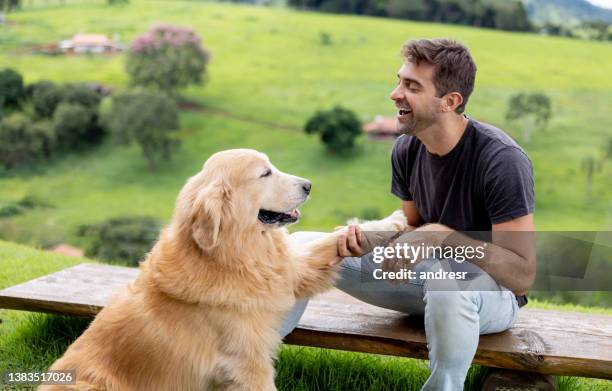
[268, 65]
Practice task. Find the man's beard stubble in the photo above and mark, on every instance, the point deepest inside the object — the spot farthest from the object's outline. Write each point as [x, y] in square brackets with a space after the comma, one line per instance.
[417, 123]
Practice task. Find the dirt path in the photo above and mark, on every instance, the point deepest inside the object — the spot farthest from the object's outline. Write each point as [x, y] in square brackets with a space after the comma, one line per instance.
[195, 107]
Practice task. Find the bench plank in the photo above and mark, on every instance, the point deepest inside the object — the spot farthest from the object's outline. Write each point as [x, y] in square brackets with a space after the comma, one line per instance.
[550, 342]
[81, 290]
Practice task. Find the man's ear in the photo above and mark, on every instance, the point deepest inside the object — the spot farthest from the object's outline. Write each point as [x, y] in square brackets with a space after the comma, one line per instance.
[451, 101]
[211, 207]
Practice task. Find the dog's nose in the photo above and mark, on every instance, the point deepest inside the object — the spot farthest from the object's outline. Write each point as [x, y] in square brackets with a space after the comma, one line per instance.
[306, 186]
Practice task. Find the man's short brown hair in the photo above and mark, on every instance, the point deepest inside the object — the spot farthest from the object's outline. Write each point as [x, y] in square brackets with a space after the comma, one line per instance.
[455, 70]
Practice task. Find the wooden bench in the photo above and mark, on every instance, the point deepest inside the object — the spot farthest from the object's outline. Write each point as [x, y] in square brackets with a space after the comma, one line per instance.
[542, 341]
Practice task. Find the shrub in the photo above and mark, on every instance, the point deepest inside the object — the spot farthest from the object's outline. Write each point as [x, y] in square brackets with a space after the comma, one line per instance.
[149, 119]
[11, 88]
[81, 94]
[534, 109]
[325, 39]
[71, 123]
[21, 141]
[45, 133]
[338, 128]
[73, 109]
[9, 209]
[167, 58]
[125, 239]
[45, 96]
[30, 201]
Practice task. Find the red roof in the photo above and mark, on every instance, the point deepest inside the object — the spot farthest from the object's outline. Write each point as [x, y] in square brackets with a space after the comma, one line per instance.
[381, 125]
[90, 39]
[67, 249]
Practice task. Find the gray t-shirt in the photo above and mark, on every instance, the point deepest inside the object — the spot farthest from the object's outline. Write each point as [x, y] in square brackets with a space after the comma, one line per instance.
[485, 179]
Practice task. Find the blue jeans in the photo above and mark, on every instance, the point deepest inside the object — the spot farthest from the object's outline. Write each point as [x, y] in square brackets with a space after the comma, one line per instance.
[454, 314]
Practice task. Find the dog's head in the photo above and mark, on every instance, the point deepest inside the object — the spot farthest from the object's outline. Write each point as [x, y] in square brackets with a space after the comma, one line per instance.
[236, 190]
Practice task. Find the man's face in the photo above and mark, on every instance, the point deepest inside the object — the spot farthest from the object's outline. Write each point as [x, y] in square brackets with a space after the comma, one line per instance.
[415, 98]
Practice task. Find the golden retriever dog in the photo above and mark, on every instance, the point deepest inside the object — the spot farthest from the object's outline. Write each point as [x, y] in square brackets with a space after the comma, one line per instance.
[205, 309]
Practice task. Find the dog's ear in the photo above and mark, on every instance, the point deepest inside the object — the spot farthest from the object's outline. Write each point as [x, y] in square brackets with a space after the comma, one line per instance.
[211, 207]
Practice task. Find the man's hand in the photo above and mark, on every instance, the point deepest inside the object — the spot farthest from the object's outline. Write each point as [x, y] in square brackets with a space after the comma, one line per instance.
[349, 241]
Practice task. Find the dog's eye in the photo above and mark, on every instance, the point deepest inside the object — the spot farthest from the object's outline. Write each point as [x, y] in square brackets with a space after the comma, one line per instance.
[267, 173]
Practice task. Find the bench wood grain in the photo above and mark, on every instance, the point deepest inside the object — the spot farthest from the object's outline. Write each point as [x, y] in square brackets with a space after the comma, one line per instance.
[544, 341]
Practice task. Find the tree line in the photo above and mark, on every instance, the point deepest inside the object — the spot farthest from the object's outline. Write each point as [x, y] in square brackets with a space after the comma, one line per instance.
[41, 120]
[499, 14]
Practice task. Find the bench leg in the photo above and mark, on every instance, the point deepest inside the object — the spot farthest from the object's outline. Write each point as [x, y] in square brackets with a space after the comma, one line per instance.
[507, 380]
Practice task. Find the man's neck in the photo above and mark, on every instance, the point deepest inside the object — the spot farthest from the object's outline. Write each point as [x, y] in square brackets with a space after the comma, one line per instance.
[440, 138]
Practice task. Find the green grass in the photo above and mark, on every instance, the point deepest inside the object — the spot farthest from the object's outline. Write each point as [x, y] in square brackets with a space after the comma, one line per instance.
[33, 341]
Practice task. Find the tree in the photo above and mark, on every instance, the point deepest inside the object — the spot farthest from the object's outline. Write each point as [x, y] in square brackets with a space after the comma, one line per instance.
[506, 15]
[71, 123]
[533, 109]
[512, 16]
[45, 96]
[81, 94]
[76, 125]
[8, 5]
[148, 118]
[44, 132]
[11, 88]
[608, 150]
[21, 141]
[589, 166]
[338, 128]
[167, 58]
[417, 10]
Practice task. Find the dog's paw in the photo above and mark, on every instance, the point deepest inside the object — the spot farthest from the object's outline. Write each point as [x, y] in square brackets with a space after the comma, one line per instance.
[352, 221]
[397, 221]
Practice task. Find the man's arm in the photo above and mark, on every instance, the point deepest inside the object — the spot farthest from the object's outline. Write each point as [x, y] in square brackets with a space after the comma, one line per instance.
[412, 214]
[516, 266]
[510, 258]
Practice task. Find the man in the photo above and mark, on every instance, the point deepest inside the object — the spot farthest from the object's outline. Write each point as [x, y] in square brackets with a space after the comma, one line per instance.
[452, 173]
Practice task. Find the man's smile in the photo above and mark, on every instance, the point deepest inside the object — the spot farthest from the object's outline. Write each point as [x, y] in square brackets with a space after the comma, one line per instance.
[403, 113]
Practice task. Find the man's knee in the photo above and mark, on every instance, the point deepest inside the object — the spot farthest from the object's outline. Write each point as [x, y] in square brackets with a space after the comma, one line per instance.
[292, 318]
[444, 306]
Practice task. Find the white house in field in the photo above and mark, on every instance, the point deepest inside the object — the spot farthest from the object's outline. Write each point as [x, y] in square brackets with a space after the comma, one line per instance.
[90, 43]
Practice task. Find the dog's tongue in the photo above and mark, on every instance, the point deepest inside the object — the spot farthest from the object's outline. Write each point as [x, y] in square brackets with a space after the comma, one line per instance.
[295, 213]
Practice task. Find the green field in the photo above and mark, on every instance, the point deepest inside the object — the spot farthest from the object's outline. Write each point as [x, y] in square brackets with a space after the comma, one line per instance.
[268, 66]
[269, 72]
